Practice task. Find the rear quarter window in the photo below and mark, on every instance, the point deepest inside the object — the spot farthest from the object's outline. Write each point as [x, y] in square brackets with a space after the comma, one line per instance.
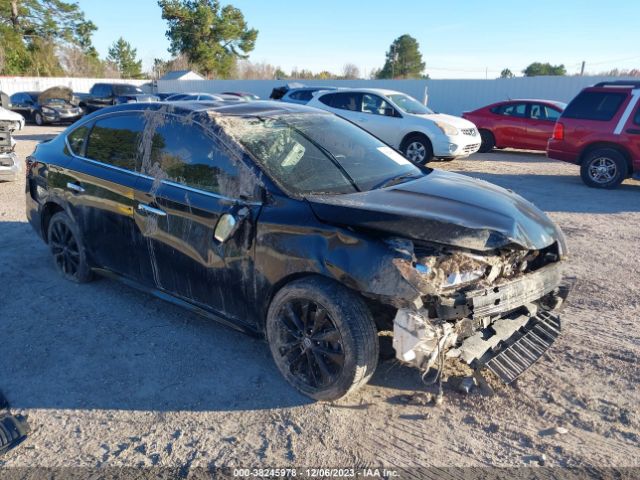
[600, 106]
[77, 140]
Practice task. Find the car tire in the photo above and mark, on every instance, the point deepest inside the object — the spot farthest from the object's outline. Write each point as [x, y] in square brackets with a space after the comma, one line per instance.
[604, 168]
[322, 338]
[487, 141]
[38, 119]
[67, 248]
[417, 148]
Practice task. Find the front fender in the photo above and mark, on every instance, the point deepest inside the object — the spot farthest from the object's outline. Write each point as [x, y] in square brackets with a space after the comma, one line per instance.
[292, 241]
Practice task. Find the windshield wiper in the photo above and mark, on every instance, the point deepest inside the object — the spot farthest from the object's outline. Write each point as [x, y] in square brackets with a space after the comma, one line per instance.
[396, 180]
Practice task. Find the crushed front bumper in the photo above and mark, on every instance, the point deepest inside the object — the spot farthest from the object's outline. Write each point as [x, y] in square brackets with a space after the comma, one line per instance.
[504, 327]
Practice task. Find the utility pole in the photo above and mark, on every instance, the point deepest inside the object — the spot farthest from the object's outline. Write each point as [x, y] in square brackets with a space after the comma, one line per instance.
[582, 69]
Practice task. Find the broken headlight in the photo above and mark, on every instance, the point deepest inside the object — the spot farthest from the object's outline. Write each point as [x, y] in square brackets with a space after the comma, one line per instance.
[449, 279]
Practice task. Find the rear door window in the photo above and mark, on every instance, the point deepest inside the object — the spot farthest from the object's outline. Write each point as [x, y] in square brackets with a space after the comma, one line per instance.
[115, 140]
[539, 111]
[514, 110]
[595, 105]
[347, 101]
[191, 157]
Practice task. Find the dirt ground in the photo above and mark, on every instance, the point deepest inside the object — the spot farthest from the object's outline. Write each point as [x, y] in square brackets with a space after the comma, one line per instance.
[108, 376]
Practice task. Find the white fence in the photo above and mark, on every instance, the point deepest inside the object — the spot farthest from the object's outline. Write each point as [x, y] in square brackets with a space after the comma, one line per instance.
[447, 96]
[11, 85]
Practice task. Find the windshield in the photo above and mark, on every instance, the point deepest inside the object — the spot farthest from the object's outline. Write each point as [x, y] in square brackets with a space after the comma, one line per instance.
[318, 153]
[126, 89]
[409, 104]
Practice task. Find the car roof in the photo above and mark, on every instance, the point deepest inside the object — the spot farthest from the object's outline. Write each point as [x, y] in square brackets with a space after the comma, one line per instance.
[257, 108]
[379, 91]
[536, 100]
[618, 84]
[297, 89]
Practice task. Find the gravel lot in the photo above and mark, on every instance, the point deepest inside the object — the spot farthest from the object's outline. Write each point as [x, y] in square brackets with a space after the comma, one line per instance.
[111, 377]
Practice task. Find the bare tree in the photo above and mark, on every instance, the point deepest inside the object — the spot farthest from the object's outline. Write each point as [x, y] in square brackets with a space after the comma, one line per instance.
[247, 70]
[350, 71]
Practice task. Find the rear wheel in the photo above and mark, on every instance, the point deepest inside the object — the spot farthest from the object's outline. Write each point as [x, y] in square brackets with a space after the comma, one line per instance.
[417, 148]
[38, 119]
[487, 141]
[322, 338]
[69, 254]
[603, 168]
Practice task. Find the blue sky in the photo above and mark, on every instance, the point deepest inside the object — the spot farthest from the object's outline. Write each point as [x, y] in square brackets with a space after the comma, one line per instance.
[458, 39]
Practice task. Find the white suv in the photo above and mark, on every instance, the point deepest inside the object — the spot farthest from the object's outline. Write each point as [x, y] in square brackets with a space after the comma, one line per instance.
[402, 122]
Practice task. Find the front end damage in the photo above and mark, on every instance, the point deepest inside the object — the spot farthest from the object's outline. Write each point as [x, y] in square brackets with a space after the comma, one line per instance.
[9, 163]
[497, 310]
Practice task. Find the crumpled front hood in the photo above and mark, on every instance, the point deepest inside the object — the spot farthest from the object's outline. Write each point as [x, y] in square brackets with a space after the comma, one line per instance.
[63, 93]
[444, 208]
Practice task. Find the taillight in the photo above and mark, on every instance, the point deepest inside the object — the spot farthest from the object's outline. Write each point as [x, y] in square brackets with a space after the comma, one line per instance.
[558, 131]
[29, 164]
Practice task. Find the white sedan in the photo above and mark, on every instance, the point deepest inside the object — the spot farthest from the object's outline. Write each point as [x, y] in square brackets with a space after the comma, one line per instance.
[402, 122]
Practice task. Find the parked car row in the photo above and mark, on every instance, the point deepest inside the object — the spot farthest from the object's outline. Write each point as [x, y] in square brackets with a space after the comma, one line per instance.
[61, 104]
[599, 130]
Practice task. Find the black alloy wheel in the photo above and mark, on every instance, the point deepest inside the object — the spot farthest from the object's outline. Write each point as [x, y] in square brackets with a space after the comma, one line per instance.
[66, 247]
[322, 337]
[309, 343]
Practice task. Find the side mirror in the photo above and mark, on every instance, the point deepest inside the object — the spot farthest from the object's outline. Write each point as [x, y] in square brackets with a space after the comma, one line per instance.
[389, 112]
[225, 228]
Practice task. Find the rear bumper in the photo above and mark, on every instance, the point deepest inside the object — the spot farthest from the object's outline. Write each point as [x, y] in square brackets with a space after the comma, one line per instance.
[9, 167]
[557, 150]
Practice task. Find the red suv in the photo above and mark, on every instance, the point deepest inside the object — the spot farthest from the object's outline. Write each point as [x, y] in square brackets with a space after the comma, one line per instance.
[600, 131]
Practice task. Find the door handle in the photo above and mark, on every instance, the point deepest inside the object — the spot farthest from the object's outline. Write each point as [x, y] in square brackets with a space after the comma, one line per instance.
[143, 207]
[634, 131]
[75, 187]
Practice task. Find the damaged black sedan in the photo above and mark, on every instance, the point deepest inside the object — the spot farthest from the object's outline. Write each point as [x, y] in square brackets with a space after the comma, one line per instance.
[290, 222]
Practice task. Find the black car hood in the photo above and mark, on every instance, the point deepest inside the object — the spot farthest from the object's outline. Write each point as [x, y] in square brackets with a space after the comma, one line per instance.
[444, 208]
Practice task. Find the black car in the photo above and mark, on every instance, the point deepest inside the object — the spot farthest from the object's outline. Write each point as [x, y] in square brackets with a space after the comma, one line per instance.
[55, 105]
[107, 94]
[291, 222]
